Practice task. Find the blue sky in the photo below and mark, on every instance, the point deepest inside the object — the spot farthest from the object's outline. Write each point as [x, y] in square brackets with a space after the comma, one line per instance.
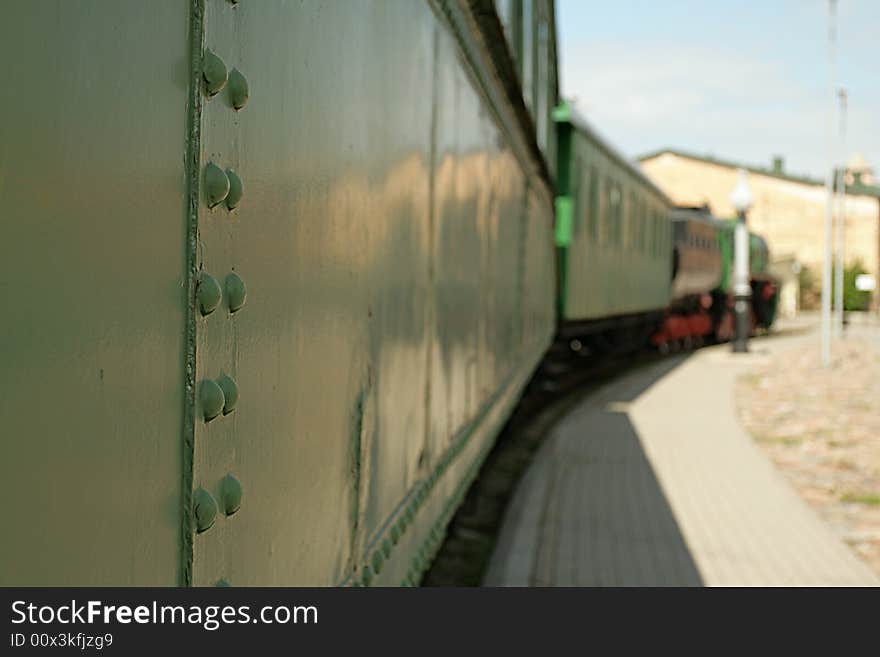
[739, 80]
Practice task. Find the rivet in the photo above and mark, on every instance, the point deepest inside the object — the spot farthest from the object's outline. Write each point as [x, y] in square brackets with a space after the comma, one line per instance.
[230, 494]
[204, 509]
[230, 393]
[233, 198]
[386, 547]
[211, 396]
[238, 89]
[215, 74]
[236, 293]
[216, 184]
[367, 576]
[378, 558]
[209, 293]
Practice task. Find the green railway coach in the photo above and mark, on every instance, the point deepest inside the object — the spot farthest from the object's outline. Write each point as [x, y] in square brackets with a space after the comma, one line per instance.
[612, 236]
[274, 275]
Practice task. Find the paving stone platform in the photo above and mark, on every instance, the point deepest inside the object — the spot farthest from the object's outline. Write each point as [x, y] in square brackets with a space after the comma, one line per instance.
[652, 481]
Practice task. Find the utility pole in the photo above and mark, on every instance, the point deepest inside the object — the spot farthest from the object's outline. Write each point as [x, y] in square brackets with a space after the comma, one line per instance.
[829, 188]
[841, 219]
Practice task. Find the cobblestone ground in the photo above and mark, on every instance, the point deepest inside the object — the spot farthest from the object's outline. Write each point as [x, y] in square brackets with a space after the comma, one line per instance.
[822, 429]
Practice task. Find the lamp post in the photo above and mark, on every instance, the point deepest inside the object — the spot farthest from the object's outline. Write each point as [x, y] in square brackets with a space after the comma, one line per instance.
[741, 200]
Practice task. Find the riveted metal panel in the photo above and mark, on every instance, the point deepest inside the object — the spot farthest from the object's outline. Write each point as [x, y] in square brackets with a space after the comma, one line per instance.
[331, 239]
[612, 269]
[287, 287]
[383, 236]
[92, 223]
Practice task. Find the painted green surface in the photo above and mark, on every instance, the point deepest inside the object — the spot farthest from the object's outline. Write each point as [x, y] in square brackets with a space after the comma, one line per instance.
[279, 387]
[615, 259]
[564, 210]
[397, 271]
[92, 190]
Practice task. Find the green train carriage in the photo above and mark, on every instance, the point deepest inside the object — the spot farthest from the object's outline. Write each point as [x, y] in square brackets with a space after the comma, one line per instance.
[274, 275]
[613, 238]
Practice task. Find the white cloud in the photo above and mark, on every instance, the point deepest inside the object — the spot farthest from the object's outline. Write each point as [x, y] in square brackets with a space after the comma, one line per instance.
[737, 105]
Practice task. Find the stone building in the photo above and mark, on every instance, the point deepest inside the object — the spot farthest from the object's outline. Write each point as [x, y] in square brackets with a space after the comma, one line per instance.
[789, 210]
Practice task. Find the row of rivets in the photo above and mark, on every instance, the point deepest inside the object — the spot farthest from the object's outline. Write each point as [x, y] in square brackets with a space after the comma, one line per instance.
[210, 293]
[217, 77]
[205, 506]
[437, 534]
[397, 530]
[222, 186]
[218, 396]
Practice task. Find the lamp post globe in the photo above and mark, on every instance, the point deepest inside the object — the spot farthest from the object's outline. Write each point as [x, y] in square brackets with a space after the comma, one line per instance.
[741, 200]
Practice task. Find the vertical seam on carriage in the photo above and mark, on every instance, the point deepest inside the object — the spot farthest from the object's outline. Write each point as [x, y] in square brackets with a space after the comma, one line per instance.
[192, 158]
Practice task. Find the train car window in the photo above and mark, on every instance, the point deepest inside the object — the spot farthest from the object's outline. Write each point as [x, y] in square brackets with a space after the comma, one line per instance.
[582, 210]
[594, 203]
[604, 211]
[658, 239]
[616, 212]
[627, 227]
[655, 227]
[506, 15]
[636, 217]
[542, 111]
[639, 228]
[661, 236]
[527, 68]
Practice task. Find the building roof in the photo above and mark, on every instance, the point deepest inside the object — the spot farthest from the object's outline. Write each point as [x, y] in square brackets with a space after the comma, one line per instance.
[859, 189]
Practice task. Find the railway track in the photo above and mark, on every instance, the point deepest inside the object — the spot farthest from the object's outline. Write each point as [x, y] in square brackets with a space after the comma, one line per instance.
[559, 383]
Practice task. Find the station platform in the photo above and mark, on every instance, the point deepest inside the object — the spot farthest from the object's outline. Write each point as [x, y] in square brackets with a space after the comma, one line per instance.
[652, 481]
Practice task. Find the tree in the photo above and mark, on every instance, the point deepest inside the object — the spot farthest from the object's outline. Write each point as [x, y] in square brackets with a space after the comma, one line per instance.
[853, 299]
